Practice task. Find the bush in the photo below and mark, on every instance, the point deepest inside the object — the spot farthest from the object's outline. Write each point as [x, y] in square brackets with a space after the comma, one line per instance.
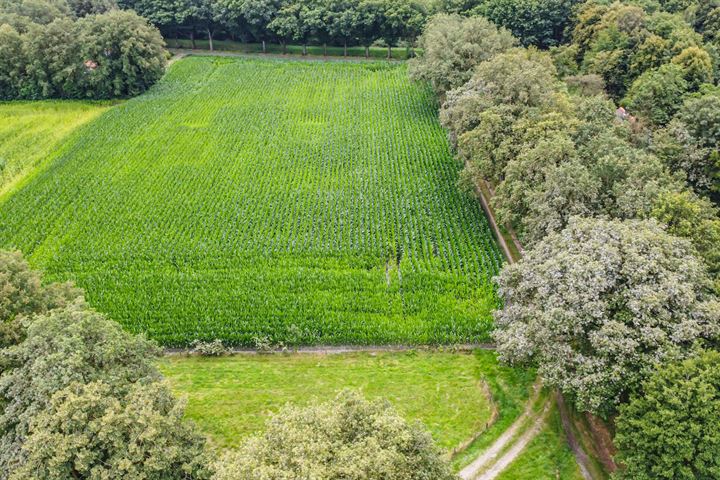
[671, 428]
[349, 438]
[597, 305]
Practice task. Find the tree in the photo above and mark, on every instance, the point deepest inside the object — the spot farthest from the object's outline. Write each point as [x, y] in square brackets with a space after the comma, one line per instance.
[690, 143]
[348, 438]
[258, 14]
[54, 68]
[400, 19]
[63, 347]
[22, 294]
[697, 65]
[597, 305]
[125, 54]
[369, 16]
[341, 20]
[535, 22]
[520, 79]
[657, 94]
[81, 8]
[289, 24]
[695, 218]
[452, 47]
[90, 432]
[671, 428]
[12, 63]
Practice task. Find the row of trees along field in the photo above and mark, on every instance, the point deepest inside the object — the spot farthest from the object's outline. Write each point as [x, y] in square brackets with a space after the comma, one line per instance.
[616, 298]
[81, 398]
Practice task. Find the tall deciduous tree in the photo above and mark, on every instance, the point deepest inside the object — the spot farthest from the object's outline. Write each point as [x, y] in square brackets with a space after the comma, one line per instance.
[597, 305]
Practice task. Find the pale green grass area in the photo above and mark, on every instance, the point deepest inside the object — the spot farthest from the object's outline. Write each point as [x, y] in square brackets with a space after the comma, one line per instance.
[547, 457]
[231, 397]
[31, 131]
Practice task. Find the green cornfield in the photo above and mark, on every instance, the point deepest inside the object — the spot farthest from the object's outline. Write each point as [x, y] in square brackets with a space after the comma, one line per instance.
[244, 199]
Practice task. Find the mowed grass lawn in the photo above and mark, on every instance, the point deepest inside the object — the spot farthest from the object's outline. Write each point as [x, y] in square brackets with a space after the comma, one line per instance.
[298, 202]
[231, 397]
[31, 131]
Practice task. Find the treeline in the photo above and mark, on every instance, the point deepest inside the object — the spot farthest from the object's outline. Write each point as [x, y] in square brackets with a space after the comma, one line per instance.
[83, 50]
[81, 398]
[617, 291]
[333, 22]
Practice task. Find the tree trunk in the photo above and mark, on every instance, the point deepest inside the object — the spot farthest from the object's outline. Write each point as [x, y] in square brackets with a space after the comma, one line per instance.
[389, 52]
[367, 51]
[325, 49]
[263, 42]
[304, 49]
[284, 48]
[192, 39]
[177, 40]
[345, 49]
[210, 42]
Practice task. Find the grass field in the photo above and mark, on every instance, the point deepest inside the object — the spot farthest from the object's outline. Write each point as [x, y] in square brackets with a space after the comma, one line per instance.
[230, 397]
[298, 202]
[31, 131]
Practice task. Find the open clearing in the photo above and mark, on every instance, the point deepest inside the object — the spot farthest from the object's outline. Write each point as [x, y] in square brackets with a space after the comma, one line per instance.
[230, 397]
[30, 131]
[300, 202]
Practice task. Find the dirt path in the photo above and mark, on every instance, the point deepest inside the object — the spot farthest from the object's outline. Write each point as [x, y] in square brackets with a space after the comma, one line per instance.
[581, 457]
[518, 447]
[486, 458]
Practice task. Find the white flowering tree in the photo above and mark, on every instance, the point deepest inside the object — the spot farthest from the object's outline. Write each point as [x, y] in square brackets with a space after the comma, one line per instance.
[599, 304]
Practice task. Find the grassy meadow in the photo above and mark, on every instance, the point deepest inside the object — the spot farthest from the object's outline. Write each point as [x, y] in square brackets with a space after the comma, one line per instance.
[231, 397]
[246, 199]
[31, 132]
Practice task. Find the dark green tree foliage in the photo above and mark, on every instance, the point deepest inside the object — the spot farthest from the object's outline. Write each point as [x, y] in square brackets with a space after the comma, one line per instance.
[657, 94]
[115, 54]
[690, 143]
[671, 428]
[63, 347]
[621, 41]
[23, 294]
[535, 22]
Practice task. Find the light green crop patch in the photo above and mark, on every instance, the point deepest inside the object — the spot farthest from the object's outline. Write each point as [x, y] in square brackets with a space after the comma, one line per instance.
[297, 202]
